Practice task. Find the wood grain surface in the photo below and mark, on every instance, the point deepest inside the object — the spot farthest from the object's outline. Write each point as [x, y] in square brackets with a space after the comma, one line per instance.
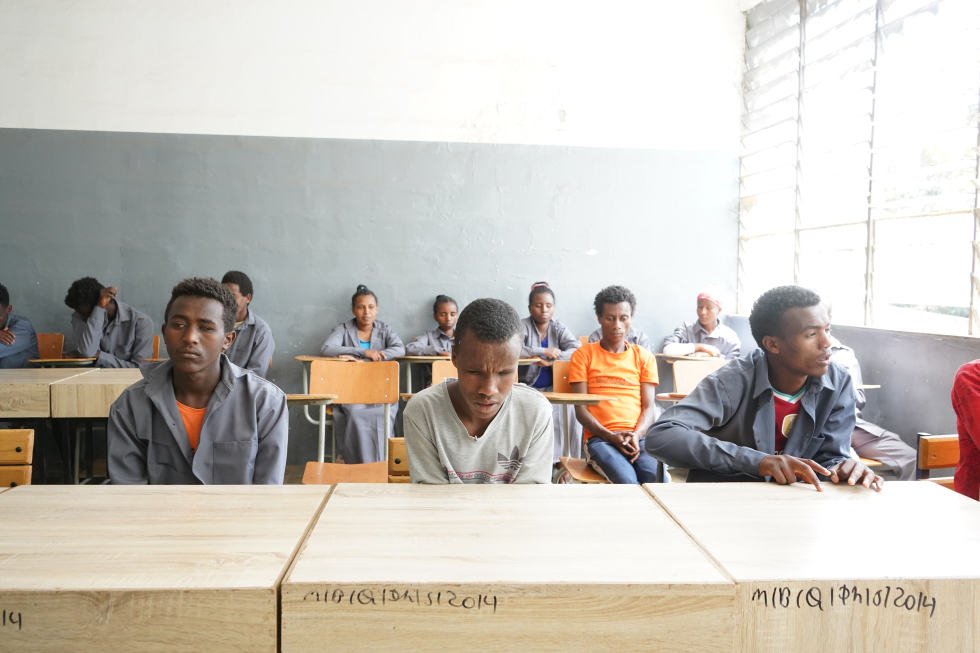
[122, 568]
[847, 569]
[16, 446]
[26, 393]
[91, 395]
[513, 568]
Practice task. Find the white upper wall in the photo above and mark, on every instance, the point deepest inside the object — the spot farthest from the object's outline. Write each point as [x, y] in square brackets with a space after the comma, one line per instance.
[662, 74]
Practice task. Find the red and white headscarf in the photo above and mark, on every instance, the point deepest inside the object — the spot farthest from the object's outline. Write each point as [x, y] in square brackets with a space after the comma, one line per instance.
[712, 294]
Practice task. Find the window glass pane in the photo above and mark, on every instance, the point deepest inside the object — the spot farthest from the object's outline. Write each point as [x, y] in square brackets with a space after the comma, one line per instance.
[768, 212]
[766, 262]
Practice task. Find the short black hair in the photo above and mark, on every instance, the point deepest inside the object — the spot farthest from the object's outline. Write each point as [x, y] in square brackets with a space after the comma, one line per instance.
[613, 295]
[490, 320]
[767, 311]
[540, 288]
[240, 279]
[443, 299]
[4, 296]
[362, 291]
[83, 292]
[210, 289]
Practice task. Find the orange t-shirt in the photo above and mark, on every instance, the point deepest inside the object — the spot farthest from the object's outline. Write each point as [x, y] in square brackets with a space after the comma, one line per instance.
[614, 375]
[193, 418]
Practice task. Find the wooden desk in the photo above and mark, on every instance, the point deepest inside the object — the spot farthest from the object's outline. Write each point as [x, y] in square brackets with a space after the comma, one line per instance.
[151, 568]
[572, 399]
[401, 567]
[418, 360]
[848, 568]
[63, 362]
[91, 395]
[321, 400]
[26, 393]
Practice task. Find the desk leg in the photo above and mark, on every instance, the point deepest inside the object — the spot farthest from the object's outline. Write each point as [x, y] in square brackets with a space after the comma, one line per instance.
[76, 454]
[387, 430]
[408, 381]
[89, 451]
[322, 433]
[564, 426]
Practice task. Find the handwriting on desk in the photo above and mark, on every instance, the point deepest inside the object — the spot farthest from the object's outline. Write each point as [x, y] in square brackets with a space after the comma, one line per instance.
[842, 596]
[11, 619]
[386, 596]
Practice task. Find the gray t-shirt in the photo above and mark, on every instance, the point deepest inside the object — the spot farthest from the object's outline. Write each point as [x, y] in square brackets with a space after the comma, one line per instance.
[516, 447]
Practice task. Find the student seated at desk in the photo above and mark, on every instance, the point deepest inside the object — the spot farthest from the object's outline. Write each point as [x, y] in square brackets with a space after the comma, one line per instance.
[482, 427]
[439, 341]
[198, 418]
[633, 337]
[614, 430]
[707, 335]
[18, 342]
[549, 340]
[360, 427]
[114, 333]
[784, 411]
[966, 405]
[253, 346]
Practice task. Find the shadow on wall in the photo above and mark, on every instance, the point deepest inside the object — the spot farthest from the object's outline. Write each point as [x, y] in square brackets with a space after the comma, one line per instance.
[915, 371]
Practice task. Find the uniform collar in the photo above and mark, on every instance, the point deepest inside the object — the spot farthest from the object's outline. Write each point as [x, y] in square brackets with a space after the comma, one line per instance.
[762, 385]
[700, 327]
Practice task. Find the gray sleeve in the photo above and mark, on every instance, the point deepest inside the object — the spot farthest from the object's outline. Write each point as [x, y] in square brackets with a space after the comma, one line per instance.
[537, 465]
[334, 345]
[733, 350]
[87, 334]
[838, 427]
[272, 425]
[643, 340]
[393, 344]
[24, 339]
[262, 349]
[677, 438]
[527, 351]
[142, 346]
[566, 342]
[422, 346]
[596, 336]
[679, 336]
[424, 465]
[126, 452]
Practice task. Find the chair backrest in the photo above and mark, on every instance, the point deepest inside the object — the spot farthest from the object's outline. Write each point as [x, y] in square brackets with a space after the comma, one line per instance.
[559, 374]
[355, 383]
[397, 457]
[689, 373]
[331, 473]
[442, 370]
[584, 339]
[51, 345]
[156, 345]
[937, 452]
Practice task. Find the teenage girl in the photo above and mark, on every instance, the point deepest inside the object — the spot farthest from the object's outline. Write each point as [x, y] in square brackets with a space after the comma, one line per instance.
[439, 341]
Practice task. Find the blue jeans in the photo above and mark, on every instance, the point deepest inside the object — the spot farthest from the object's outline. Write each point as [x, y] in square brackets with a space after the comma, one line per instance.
[617, 467]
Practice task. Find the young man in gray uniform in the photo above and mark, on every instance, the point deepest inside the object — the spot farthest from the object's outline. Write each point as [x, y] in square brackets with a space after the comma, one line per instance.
[18, 342]
[198, 418]
[481, 427]
[784, 411]
[253, 346]
[114, 333]
[633, 337]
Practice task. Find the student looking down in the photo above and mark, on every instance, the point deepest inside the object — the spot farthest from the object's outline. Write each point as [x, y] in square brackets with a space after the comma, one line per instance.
[253, 346]
[707, 335]
[18, 342]
[439, 341]
[104, 328]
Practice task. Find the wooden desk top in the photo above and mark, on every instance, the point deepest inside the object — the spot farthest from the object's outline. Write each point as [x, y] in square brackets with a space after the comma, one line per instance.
[423, 359]
[26, 393]
[309, 400]
[128, 375]
[63, 362]
[576, 398]
[91, 395]
[44, 375]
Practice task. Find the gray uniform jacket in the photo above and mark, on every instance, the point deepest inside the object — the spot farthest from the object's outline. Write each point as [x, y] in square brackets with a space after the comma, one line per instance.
[253, 346]
[242, 442]
[845, 357]
[124, 341]
[343, 340]
[723, 338]
[558, 336]
[633, 337]
[728, 424]
[430, 343]
[24, 347]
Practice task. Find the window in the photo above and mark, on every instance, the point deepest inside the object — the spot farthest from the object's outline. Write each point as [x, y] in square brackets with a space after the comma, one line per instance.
[860, 159]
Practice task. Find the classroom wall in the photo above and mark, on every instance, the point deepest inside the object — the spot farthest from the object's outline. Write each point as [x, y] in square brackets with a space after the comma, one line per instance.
[467, 148]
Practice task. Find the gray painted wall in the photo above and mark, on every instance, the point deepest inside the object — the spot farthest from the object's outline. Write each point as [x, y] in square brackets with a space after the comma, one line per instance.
[309, 219]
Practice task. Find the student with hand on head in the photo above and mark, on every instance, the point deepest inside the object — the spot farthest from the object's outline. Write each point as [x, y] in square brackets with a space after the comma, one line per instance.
[614, 430]
[481, 427]
[360, 427]
[707, 335]
[439, 341]
[253, 346]
[114, 333]
[550, 340]
[783, 412]
[198, 418]
[18, 342]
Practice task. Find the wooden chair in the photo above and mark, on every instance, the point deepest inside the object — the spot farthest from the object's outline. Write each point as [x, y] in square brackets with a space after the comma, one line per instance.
[332, 473]
[51, 345]
[442, 370]
[937, 452]
[16, 456]
[689, 373]
[578, 468]
[584, 339]
[398, 461]
[156, 346]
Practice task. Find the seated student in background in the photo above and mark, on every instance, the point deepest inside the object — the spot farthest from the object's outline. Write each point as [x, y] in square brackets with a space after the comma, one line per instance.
[966, 405]
[18, 342]
[784, 411]
[707, 334]
[439, 341]
[360, 427]
[870, 440]
[633, 337]
[114, 333]
[481, 427]
[253, 346]
[549, 340]
[198, 418]
[614, 430]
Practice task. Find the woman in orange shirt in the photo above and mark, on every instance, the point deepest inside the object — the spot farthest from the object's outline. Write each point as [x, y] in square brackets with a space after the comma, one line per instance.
[614, 430]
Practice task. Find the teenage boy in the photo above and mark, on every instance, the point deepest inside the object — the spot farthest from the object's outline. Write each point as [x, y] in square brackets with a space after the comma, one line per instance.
[197, 418]
[706, 335]
[481, 427]
[613, 430]
[633, 337]
[253, 346]
[18, 342]
[104, 328]
[784, 411]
